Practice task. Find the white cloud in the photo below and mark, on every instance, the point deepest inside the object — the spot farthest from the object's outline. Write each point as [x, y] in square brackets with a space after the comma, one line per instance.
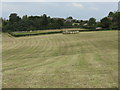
[77, 5]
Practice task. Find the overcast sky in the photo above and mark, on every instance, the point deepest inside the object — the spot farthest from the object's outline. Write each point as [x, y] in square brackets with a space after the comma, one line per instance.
[78, 10]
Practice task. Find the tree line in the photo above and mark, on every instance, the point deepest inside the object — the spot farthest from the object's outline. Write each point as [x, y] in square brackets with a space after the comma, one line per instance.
[27, 23]
[112, 21]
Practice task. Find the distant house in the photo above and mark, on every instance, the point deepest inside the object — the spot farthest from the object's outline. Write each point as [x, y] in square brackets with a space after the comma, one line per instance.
[98, 28]
[85, 24]
[30, 30]
[75, 24]
[110, 18]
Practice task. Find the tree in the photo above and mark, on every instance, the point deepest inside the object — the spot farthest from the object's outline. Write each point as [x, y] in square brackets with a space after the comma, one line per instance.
[14, 18]
[106, 22]
[27, 23]
[60, 23]
[70, 17]
[25, 17]
[116, 20]
[92, 22]
[111, 14]
[13, 23]
[98, 24]
[44, 20]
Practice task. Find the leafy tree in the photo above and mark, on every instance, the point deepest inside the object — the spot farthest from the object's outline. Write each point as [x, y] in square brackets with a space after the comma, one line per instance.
[13, 23]
[25, 17]
[111, 14]
[27, 23]
[106, 22]
[92, 21]
[60, 23]
[14, 18]
[44, 20]
[98, 24]
[118, 20]
[70, 17]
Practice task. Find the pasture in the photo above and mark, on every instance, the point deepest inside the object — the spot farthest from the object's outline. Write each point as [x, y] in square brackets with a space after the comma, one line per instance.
[43, 32]
[84, 60]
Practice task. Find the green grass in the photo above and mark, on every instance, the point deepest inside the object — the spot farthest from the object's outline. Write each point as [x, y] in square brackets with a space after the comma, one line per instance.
[41, 32]
[84, 60]
[52, 31]
[35, 32]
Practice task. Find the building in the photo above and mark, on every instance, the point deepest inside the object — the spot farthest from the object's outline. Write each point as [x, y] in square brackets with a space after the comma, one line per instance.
[75, 24]
[85, 24]
[98, 28]
[110, 18]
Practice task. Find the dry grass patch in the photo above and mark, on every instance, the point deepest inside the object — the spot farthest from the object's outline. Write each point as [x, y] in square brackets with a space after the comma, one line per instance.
[84, 60]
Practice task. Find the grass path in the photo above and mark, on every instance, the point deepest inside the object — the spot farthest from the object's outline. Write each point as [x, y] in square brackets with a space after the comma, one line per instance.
[83, 60]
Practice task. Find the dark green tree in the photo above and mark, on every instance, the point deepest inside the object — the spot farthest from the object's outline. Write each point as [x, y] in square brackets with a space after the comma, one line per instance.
[92, 22]
[14, 18]
[106, 22]
[70, 17]
[111, 14]
[44, 21]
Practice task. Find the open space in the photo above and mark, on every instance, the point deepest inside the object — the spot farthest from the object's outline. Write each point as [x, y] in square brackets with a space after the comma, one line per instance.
[43, 32]
[84, 60]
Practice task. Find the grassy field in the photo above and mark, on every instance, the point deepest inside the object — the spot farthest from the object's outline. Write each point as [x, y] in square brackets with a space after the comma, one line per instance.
[84, 60]
[50, 31]
[39, 32]
[0, 60]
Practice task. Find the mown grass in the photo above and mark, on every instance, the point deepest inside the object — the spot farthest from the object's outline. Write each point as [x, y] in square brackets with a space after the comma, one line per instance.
[53, 31]
[41, 32]
[35, 32]
[84, 60]
[0, 60]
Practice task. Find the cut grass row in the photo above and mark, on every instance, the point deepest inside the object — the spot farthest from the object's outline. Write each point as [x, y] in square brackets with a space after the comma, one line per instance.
[43, 32]
[83, 60]
[18, 34]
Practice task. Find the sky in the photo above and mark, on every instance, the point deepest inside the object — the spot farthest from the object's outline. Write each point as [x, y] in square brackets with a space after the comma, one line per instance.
[78, 10]
[59, 0]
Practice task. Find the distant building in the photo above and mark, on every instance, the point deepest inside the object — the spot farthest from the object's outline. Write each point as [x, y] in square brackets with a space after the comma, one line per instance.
[98, 28]
[110, 18]
[85, 24]
[75, 24]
